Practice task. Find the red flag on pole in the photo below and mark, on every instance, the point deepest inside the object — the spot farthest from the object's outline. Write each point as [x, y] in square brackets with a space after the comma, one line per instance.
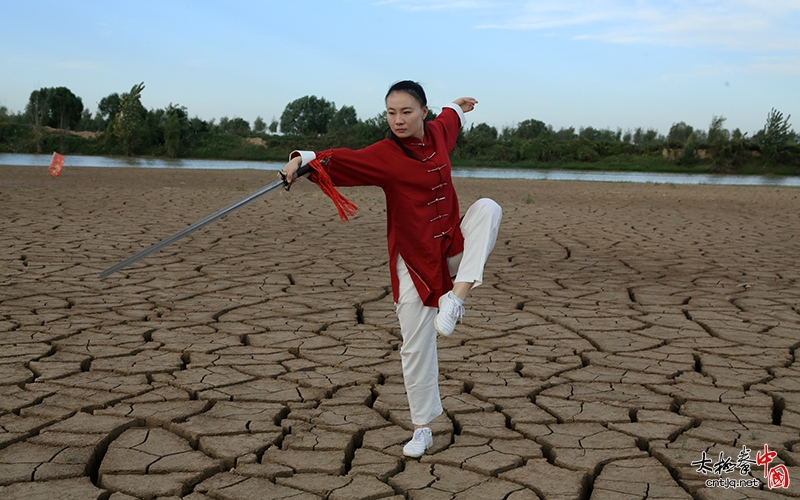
[56, 164]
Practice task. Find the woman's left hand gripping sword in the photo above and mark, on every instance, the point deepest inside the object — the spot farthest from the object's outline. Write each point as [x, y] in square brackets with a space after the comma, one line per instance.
[283, 182]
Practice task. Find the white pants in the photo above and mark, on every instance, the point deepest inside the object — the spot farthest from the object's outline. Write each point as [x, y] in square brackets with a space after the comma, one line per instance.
[418, 353]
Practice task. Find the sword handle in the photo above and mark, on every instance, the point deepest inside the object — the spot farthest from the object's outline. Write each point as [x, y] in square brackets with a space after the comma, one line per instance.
[300, 173]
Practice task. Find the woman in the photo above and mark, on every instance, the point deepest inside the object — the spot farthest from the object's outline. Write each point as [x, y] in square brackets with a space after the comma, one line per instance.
[428, 242]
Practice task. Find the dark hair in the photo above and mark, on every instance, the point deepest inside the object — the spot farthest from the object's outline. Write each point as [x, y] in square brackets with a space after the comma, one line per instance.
[413, 89]
[416, 91]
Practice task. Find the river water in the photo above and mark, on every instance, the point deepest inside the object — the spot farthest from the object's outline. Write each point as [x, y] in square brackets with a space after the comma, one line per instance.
[483, 173]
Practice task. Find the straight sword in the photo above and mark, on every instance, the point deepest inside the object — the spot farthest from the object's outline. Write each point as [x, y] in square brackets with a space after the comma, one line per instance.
[206, 221]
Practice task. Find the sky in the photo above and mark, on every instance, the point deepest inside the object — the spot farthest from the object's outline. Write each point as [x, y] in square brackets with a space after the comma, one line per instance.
[616, 64]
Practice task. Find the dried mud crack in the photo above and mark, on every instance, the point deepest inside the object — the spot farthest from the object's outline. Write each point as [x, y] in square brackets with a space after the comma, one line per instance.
[626, 337]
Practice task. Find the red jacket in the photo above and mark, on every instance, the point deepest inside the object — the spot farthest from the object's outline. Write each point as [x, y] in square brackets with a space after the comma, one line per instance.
[422, 212]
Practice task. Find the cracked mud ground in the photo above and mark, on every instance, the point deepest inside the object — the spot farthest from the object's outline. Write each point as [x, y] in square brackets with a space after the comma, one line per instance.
[623, 331]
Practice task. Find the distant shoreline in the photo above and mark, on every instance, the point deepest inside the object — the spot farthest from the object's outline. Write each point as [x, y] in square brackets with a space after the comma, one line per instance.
[79, 161]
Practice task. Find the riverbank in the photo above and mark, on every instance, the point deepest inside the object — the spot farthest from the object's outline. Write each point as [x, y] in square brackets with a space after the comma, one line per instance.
[469, 172]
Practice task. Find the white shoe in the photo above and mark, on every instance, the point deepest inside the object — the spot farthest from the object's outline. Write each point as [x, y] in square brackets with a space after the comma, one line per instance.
[421, 441]
[451, 309]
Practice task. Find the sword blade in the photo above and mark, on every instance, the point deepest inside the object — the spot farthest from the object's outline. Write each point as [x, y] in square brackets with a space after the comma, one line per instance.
[199, 224]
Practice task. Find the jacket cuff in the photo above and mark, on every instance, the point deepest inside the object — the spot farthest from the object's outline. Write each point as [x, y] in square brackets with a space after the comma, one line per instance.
[305, 156]
[457, 109]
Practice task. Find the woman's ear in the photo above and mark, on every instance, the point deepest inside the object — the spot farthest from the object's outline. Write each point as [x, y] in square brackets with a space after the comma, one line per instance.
[424, 112]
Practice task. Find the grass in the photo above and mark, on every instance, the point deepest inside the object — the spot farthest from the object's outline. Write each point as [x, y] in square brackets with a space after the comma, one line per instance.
[638, 163]
[621, 163]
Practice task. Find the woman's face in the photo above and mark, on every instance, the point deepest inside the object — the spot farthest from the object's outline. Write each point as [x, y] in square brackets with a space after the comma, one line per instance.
[405, 115]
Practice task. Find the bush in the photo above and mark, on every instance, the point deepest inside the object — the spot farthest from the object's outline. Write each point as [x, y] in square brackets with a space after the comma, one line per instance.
[581, 149]
[539, 150]
[505, 151]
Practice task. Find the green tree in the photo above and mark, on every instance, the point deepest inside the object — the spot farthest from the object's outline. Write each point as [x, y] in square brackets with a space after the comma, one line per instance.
[581, 149]
[564, 134]
[600, 135]
[108, 107]
[107, 110]
[719, 143]
[37, 111]
[701, 136]
[240, 126]
[37, 108]
[540, 149]
[679, 133]
[307, 115]
[589, 133]
[172, 135]
[65, 111]
[689, 155]
[775, 136]
[235, 125]
[717, 134]
[627, 137]
[129, 123]
[197, 126]
[154, 122]
[343, 119]
[372, 129]
[175, 127]
[482, 132]
[222, 126]
[65, 108]
[273, 126]
[259, 126]
[529, 129]
[643, 137]
[55, 107]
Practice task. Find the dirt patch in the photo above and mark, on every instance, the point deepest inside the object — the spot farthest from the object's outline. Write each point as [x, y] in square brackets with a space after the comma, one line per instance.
[83, 133]
[258, 141]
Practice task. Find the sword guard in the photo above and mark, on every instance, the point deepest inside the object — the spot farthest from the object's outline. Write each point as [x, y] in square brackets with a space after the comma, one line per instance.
[286, 184]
